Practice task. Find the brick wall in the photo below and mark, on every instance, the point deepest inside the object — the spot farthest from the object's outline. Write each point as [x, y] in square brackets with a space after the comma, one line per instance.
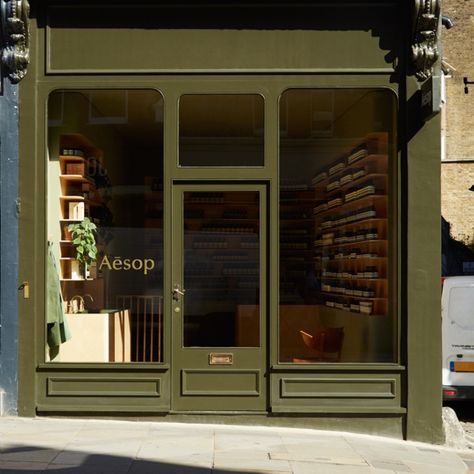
[457, 202]
[458, 51]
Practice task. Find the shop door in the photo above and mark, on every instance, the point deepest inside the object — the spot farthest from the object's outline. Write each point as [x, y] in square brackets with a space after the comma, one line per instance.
[218, 297]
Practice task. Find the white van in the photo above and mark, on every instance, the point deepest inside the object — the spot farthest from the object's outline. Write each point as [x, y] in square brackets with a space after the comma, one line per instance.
[457, 309]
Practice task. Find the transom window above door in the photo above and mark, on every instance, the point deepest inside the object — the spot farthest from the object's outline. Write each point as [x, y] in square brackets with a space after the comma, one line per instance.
[221, 130]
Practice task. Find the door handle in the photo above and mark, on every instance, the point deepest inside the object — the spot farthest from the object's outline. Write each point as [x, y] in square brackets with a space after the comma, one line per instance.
[25, 286]
[177, 292]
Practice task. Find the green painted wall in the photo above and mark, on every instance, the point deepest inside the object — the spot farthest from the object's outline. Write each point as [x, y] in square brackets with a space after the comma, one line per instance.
[343, 46]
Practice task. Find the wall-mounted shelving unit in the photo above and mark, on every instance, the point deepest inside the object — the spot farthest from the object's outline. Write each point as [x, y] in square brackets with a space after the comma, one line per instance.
[80, 161]
[221, 233]
[351, 228]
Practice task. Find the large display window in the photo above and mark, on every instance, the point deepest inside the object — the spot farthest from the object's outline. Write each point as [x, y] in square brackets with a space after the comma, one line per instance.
[105, 226]
[337, 226]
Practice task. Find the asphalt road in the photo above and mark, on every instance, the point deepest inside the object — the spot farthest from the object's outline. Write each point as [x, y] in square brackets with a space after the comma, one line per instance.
[464, 410]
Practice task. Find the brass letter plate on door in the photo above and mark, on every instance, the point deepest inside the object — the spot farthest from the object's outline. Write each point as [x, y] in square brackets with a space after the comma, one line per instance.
[221, 359]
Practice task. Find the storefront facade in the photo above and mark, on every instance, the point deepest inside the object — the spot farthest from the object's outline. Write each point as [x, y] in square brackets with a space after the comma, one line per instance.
[260, 184]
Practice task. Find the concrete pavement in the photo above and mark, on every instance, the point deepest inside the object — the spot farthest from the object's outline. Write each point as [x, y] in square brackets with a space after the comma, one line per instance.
[131, 447]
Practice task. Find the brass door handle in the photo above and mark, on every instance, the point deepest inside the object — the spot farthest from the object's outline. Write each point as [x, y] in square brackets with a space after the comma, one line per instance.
[177, 293]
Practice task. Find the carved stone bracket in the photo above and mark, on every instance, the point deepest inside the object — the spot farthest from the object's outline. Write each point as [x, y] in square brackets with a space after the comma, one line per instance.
[424, 49]
[15, 35]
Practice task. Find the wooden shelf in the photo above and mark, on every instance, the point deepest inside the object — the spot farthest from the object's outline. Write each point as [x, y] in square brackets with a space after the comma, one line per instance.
[356, 313]
[341, 295]
[72, 198]
[73, 158]
[354, 259]
[354, 204]
[360, 163]
[353, 244]
[356, 224]
[80, 199]
[352, 183]
[324, 278]
[75, 177]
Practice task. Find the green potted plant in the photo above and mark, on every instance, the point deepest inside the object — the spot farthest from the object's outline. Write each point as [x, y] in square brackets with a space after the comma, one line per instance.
[83, 240]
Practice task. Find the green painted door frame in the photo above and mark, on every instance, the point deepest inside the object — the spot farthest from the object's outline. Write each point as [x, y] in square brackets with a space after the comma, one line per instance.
[217, 378]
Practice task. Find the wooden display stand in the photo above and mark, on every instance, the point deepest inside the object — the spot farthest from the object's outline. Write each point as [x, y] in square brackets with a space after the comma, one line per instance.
[98, 337]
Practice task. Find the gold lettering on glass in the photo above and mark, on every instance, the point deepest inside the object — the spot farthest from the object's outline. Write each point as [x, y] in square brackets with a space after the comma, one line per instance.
[125, 264]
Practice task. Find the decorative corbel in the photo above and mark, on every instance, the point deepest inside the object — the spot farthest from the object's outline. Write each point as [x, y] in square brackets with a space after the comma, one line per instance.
[424, 49]
[15, 38]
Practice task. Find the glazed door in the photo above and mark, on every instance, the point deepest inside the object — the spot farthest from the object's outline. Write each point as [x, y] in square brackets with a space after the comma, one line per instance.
[218, 297]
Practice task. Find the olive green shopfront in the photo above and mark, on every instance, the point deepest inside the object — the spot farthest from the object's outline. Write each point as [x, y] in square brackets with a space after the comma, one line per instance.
[260, 187]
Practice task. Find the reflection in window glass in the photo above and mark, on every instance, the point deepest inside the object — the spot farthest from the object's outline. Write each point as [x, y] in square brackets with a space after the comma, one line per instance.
[105, 226]
[336, 251]
[221, 130]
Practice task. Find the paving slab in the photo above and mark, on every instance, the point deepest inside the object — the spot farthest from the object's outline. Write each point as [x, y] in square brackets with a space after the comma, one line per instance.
[149, 467]
[10, 467]
[324, 468]
[433, 469]
[70, 446]
[87, 469]
[197, 448]
[340, 459]
[239, 440]
[28, 454]
[251, 463]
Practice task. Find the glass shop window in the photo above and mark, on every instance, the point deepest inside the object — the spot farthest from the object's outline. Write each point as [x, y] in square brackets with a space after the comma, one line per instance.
[105, 226]
[337, 226]
[221, 130]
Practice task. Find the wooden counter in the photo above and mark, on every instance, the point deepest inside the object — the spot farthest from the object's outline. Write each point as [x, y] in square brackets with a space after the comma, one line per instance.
[97, 337]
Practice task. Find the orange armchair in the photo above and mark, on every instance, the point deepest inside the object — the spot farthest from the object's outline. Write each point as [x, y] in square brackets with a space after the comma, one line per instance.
[326, 343]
